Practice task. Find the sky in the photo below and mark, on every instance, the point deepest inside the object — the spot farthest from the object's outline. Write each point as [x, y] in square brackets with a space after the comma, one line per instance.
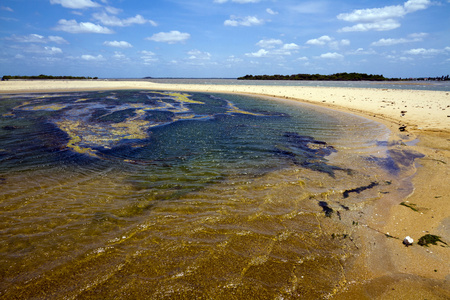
[224, 38]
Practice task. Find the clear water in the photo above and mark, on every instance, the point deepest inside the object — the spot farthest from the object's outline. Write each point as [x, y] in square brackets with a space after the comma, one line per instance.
[140, 194]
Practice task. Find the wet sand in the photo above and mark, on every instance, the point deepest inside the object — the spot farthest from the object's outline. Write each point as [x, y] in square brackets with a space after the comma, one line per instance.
[419, 121]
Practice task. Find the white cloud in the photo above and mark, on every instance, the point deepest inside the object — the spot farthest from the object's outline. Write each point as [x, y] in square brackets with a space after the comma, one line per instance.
[108, 20]
[197, 54]
[7, 8]
[274, 47]
[148, 57]
[381, 19]
[332, 55]
[415, 37]
[36, 38]
[362, 51]
[269, 43]
[73, 26]
[234, 59]
[328, 41]
[75, 4]
[423, 51]
[171, 37]
[320, 41]
[259, 53]
[119, 55]
[121, 44]
[92, 58]
[243, 21]
[57, 39]
[383, 25]
[113, 10]
[291, 46]
[52, 50]
[271, 12]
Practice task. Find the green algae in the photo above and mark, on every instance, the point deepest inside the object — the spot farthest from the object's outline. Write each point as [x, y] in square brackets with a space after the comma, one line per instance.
[430, 239]
[95, 124]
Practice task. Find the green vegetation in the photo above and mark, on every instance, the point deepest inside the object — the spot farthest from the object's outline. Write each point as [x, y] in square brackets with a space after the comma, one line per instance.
[410, 205]
[333, 77]
[428, 239]
[8, 77]
[338, 77]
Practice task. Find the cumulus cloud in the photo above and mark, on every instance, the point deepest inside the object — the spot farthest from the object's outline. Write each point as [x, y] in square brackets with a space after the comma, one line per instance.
[243, 21]
[274, 47]
[108, 20]
[121, 44]
[75, 4]
[271, 12]
[197, 54]
[325, 40]
[291, 46]
[381, 19]
[57, 39]
[416, 37]
[36, 38]
[269, 43]
[92, 58]
[427, 52]
[171, 37]
[52, 50]
[332, 55]
[320, 41]
[259, 53]
[73, 26]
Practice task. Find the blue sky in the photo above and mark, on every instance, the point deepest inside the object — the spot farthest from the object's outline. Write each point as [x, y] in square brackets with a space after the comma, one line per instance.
[224, 38]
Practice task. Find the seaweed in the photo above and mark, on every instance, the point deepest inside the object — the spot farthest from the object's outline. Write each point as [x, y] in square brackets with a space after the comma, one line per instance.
[410, 205]
[359, 189]
[428, 239]
[326, 209]
[307, 152]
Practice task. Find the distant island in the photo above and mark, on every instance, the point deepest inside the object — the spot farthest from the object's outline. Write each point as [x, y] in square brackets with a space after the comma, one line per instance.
[336, 77]
[50, 77]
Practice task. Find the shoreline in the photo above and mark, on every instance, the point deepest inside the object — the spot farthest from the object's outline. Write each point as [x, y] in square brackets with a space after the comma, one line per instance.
[426, 115]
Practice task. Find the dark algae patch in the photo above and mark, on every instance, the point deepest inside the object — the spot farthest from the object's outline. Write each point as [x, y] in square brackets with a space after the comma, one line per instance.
[432, 239]
[360, 189]
[410, 205]
[307, 152]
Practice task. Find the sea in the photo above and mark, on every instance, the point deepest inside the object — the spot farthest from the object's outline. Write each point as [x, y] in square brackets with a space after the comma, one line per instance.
[174, 195]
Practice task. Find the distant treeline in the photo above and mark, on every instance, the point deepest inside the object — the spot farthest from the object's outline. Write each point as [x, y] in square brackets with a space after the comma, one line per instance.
[8, 77]
[442, 78]
[333, 77]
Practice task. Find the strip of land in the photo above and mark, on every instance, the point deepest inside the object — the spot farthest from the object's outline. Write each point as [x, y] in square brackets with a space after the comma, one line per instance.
[387, 268]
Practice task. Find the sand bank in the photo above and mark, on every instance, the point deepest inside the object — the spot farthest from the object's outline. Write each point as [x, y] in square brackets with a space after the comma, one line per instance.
[386, 268]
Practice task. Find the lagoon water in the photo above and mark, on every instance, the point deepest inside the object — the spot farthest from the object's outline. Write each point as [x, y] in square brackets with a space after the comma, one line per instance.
[163, 195]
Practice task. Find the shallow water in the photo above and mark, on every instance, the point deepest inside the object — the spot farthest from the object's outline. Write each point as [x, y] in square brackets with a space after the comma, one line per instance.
[140, 194]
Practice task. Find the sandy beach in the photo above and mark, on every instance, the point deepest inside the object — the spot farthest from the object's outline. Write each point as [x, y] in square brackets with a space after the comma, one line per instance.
[418, 120]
